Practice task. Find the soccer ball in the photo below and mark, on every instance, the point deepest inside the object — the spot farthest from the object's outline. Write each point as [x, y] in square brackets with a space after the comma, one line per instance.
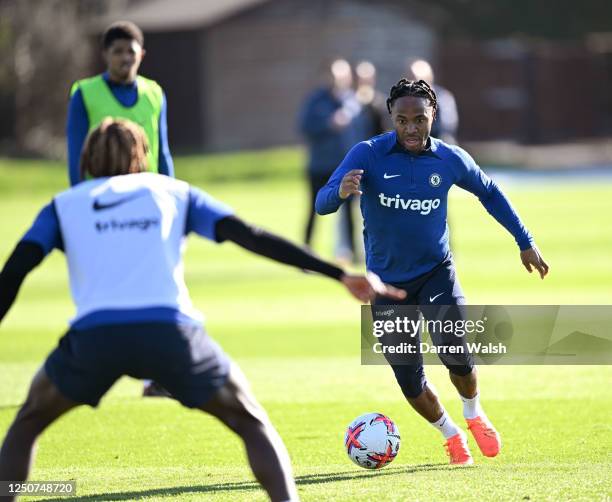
[372, 441]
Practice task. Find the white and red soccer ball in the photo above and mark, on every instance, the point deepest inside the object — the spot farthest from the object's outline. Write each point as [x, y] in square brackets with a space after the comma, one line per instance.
[372, 440]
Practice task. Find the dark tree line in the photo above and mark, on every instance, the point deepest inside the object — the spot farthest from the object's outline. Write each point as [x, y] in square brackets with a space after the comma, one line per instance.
[44, 46]
[549, 19]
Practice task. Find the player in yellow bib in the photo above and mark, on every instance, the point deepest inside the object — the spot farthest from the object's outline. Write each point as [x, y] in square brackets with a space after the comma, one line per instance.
[120, 93]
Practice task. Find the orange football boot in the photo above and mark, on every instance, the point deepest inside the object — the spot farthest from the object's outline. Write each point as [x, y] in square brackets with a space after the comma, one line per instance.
[487, 438]
[458, 451]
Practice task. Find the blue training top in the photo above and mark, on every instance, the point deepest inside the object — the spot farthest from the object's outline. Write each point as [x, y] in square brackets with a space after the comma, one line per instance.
[77, 127]
[404, 203]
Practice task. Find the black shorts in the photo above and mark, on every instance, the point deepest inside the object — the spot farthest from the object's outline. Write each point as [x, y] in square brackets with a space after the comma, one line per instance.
[432, 291]
[180, 357]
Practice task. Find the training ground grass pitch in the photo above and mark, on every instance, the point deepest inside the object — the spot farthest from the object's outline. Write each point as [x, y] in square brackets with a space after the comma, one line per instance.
[297, 339]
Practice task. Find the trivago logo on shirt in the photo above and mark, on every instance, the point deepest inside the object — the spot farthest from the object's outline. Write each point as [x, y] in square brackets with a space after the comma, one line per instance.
[423, 206]
[142, 224]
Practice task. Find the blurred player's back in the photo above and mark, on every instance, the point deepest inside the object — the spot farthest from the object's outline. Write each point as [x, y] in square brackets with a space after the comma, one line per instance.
[123, 241]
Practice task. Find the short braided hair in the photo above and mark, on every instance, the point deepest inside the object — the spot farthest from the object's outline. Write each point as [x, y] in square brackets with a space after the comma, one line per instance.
[416, 88]
[116, 146]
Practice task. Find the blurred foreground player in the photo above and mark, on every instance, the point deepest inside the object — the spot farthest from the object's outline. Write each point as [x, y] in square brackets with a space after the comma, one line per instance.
[403, 177]
[122, 233]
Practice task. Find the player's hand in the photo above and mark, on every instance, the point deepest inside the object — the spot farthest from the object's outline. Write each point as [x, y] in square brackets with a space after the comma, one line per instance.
[366, 288]
[532, 258]
[350, 183]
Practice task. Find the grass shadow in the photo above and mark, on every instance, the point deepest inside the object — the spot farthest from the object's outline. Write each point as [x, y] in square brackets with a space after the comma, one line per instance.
[307, 479]
[310, 479]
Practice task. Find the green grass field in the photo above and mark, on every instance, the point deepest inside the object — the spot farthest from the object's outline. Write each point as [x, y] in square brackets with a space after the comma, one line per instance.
[297, 339]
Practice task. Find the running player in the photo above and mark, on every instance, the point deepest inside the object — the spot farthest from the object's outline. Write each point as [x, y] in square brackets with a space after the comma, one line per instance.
[122, 233]
[404, 177]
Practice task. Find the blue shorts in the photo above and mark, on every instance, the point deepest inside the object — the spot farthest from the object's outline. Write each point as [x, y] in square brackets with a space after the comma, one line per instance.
[430, 291]
[180, 357]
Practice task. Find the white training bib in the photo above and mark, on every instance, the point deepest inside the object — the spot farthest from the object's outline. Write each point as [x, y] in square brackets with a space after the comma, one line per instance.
[124, 239]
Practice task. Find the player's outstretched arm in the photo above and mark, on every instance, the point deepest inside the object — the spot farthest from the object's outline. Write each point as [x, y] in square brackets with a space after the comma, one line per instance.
[532, 258]
[277, 248]
[474, 180]
[24, 258]
[365, 288]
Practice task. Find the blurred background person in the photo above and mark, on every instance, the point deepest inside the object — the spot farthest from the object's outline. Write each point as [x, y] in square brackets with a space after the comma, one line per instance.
[119, 92]
[371, 121]
[327, 121]
[446, 122]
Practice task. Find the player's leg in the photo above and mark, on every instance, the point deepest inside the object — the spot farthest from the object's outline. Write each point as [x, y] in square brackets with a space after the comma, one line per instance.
[410, 376]
[465, 380]
[316, 181]
[313, 187]
[408, 367]
[423, 398]
[78, 371]
[237, 408]
[466, 385]
[344, 246]
[196, 372]
[485, 434]
[442, 299]
[44, 404]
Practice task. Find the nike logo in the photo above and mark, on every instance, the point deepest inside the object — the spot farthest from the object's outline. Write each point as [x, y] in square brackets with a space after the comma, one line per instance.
[100, 206]
[389, 176]
[432, 298]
